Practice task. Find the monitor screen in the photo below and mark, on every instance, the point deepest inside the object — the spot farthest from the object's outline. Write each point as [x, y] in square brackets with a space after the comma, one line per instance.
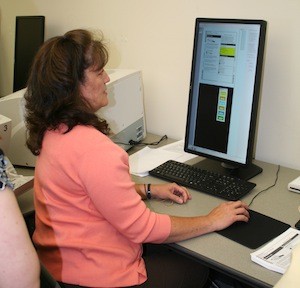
[224, 93]
[29, 36]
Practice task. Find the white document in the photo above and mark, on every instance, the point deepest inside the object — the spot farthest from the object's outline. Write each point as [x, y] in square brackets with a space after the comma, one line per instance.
[147, 158]
[276, 255]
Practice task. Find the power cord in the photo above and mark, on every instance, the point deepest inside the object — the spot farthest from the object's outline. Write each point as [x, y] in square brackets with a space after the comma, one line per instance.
[135, 143]
[266, 189]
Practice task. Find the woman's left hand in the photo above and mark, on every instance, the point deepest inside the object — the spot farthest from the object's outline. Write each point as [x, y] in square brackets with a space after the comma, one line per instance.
[171, 191]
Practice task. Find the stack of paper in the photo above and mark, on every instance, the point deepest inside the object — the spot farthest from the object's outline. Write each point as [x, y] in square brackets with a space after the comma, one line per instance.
[147, 159]
[276, 255]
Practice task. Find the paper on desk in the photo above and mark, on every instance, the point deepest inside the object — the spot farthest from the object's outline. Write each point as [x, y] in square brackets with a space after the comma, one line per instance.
[276, 255]
[147, 158]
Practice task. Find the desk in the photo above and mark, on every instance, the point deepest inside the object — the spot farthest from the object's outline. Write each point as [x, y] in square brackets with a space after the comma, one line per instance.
[213, 249]
[25, 199]
[221, 253]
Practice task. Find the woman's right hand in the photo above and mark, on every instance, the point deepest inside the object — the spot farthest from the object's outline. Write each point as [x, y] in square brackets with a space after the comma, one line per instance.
[227, 213]
[219, 218]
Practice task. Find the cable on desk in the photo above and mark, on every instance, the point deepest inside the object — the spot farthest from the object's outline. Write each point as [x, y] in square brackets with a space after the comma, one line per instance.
[134, 143]
[266, 189]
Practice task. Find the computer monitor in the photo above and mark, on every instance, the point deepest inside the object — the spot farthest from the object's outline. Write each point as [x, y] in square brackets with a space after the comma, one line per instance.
[224, 94]
[29, 36]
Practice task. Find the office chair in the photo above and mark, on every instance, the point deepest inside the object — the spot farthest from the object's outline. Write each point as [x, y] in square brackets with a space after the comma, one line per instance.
[46, 279]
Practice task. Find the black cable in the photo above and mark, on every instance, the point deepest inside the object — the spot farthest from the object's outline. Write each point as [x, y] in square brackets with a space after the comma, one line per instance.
[266, 189]
[135, 143]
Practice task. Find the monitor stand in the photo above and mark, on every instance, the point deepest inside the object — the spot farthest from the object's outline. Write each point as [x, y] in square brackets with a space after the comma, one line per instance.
[242, 172]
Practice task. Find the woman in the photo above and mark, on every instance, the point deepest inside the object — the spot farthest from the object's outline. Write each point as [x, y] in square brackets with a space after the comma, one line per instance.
[19, 264]
[91, 220]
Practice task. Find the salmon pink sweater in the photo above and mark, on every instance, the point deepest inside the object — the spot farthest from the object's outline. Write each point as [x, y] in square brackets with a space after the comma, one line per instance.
[90, 221]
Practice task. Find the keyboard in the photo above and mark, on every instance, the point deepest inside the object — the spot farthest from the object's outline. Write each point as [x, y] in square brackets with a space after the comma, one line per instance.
[222, 186]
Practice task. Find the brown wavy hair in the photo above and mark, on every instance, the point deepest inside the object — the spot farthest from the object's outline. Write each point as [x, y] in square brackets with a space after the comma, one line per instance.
[53, 93]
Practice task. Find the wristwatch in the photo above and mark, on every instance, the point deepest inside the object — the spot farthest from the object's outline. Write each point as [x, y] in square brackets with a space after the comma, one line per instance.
[4, 181]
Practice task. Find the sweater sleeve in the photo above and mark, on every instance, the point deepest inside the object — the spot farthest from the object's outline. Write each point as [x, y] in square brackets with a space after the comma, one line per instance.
[107, 181]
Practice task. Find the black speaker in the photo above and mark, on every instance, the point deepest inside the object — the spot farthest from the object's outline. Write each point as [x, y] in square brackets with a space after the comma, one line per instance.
[30, 32]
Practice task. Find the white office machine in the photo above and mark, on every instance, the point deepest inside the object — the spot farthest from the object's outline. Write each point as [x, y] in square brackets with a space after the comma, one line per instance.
[294, 185]
[124, 114]
[21, 183]
[125, 109]
[5, 133]
[11, 106]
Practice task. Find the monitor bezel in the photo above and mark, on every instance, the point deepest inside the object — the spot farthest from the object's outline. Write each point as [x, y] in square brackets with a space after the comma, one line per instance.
[256, 92]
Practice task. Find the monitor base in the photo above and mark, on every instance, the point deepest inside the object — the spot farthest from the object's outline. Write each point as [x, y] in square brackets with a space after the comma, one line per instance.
[242, 172]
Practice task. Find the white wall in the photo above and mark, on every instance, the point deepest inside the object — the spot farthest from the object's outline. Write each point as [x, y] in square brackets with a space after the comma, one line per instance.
[157, 37]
